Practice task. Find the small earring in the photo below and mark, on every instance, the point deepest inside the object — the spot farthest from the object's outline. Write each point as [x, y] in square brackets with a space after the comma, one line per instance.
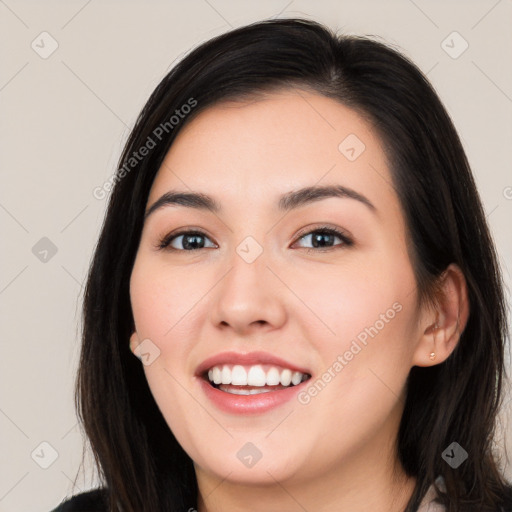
[432, 355]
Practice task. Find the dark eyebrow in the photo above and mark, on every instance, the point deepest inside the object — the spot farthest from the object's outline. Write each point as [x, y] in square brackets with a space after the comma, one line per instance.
[306, 195]
[187, 199]
[287, 202]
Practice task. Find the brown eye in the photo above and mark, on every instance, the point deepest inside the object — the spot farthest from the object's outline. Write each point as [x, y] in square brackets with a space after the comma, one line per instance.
[185, 241]
[325, 238]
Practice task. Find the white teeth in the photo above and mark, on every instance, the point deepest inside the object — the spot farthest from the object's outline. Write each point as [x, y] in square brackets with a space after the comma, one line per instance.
[235, 391]
[256, 376]
[216, 375]
[226, 375]
[296, 378]
[286, 377]
[238, 375]
[273, 377]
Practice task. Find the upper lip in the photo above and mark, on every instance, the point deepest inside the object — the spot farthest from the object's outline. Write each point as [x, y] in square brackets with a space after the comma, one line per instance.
[250, 358]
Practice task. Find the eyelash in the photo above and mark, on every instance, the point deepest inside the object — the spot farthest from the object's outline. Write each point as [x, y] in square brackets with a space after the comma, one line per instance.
[164, 243]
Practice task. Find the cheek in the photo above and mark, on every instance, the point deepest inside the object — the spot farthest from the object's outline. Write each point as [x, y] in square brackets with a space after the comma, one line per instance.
[348, 300]
[162, 304]
[363, 312]
[163, 300]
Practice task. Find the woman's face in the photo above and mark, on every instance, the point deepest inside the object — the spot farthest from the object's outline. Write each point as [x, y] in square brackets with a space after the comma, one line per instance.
[263, 277]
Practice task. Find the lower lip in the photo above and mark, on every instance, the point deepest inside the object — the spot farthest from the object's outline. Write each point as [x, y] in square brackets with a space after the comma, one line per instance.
[249, 404]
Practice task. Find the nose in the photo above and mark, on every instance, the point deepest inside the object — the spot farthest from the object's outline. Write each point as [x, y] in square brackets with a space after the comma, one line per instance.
[249, 298]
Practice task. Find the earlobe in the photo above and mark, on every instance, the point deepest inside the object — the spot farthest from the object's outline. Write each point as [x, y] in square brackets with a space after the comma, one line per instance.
[134, 342]
[446, 323]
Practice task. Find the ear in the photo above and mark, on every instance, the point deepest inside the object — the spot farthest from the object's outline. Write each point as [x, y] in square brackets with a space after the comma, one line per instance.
[134, 342]
[443, 325]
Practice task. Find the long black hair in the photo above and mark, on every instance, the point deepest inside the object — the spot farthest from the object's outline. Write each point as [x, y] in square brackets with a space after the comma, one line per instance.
[141, 464]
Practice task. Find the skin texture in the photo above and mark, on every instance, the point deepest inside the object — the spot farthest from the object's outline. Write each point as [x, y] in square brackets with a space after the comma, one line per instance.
[337, 451]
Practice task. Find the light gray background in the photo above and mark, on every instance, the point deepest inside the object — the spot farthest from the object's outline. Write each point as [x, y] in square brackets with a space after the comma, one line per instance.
[64, 120]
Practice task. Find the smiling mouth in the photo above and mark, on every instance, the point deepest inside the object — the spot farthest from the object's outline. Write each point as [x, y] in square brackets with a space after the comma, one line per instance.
[253, 379]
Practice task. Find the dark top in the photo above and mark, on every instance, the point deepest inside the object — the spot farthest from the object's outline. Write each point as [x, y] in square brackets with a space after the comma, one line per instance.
[95, 501]
[89, 501]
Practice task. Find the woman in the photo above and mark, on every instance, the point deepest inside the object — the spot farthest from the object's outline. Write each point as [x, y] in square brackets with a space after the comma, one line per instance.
[296, 252]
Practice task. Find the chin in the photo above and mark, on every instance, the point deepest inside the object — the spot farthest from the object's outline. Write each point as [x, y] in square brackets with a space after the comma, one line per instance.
[246, 464]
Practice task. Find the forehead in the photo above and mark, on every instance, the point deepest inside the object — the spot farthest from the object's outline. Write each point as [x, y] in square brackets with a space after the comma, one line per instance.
[274, 143]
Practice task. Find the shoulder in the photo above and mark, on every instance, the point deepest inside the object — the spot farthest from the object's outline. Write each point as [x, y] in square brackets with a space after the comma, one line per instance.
[89, 501]
[507, 499]
[430, 504]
